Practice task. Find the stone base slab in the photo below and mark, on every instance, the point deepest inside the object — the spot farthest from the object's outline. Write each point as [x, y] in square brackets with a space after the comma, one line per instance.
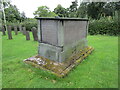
[59, 69]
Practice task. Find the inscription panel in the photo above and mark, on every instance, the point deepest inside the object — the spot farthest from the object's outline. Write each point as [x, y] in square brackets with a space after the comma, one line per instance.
[49, 31]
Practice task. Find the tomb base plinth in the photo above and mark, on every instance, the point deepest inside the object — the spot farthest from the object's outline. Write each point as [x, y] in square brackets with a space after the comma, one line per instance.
[60, 69]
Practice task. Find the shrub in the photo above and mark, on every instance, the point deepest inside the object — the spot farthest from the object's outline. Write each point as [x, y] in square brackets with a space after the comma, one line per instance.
[12, 24]
[29, 24]
[103, 26]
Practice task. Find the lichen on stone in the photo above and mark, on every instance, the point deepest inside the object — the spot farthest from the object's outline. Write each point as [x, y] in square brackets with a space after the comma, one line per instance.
[59, 69]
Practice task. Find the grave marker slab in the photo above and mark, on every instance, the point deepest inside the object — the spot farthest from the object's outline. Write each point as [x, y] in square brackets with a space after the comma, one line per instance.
[9, 32]
[34, 32]
[24, 30]
[20, 28]
[15, 30]
[27, 35]
[3, 30]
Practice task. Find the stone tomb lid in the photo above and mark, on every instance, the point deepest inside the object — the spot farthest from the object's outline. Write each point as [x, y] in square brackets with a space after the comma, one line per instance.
[60, 18]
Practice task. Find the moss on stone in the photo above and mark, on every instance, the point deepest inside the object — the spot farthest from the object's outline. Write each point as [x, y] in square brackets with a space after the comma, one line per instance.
[60, 69]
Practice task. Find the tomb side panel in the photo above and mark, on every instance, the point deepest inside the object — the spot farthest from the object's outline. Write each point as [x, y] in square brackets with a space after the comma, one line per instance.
[49, 30]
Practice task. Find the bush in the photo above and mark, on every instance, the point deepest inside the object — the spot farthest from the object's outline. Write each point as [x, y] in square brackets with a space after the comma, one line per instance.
[29, 24]
[12, 24]
[103, 26]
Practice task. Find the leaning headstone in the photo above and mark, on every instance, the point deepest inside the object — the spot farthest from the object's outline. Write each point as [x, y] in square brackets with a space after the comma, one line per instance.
[34, 32]
[9, 32]
[20, 28]
[3, 30]
[15, 30]
[27, 35]
[24, 30]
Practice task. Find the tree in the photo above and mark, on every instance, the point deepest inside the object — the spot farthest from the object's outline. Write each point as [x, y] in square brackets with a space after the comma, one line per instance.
[23, 17]
[82, 10]
[12, 14]
[3, 4]
[72, 10]
[94, 9]
[109, 9]
[60, 11]
[43, 11]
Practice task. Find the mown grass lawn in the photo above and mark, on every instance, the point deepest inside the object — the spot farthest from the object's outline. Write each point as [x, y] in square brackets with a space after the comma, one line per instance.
[98, 70]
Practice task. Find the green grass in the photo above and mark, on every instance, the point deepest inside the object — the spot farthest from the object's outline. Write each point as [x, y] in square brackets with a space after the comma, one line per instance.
[98, 70]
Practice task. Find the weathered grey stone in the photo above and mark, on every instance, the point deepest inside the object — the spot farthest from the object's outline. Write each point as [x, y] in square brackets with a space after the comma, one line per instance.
[49, 31]
[20, 28]
[27, 35]
[39, 31]
[68, 50]
[15, 30]
[34, 32]
[24, 31]
[3, 30]
[73, 31]
[60, 38]
[0, 28]
[60, 33]
[49, 51]
[9, 32]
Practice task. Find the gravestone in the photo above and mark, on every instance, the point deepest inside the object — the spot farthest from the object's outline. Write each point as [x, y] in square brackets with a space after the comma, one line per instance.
[59, 38]
[27, 35]
[34, 32]
[3, 30]
[20, 28]
[15, 30]
[9, 32]
[0, 28]
[24, 30]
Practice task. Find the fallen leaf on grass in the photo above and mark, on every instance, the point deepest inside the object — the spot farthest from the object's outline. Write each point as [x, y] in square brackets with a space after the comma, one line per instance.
[54, 81]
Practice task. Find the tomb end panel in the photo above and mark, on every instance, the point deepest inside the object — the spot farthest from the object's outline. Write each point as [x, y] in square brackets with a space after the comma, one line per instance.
[74, 31]
[49, 51]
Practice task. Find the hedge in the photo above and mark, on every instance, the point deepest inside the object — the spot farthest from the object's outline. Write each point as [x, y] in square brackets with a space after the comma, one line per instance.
[29, 24]
[104, 26]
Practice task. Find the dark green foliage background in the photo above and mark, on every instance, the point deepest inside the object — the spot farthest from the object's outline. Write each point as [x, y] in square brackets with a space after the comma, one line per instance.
[104, 26]
[29, 24]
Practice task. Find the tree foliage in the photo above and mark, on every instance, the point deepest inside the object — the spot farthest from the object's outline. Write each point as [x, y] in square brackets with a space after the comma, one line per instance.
[12, 13]
[61, 11]
[82, 10]
[73, 9]
[96, 10]
[43, 11]
[93, 10]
